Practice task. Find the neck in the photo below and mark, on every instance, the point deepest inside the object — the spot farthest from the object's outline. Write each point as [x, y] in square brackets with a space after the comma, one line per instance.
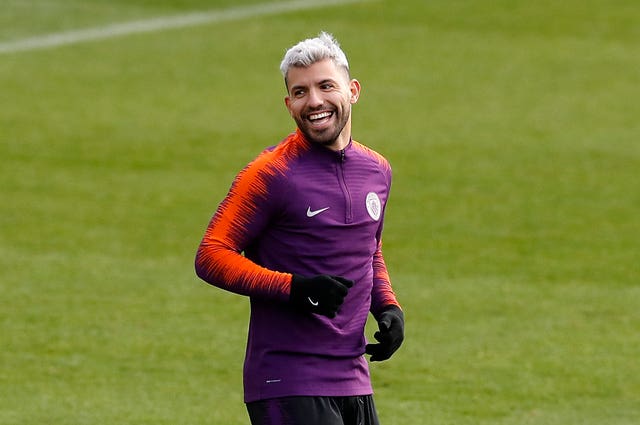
[343, 139]
[339, 144]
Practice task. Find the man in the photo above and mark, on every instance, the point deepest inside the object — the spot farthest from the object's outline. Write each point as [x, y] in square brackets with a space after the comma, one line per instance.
[308, 216]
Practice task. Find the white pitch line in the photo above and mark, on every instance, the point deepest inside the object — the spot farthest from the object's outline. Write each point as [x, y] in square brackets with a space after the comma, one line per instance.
[162, 23]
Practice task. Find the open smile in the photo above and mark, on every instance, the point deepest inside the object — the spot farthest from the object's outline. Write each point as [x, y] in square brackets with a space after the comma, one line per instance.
[319, 118]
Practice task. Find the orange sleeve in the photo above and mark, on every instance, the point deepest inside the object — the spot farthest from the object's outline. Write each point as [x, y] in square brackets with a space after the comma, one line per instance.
[240, 218]
[382, 294]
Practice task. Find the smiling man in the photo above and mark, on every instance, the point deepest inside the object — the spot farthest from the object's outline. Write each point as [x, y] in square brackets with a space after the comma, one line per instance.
[320, 99]
[300, 234]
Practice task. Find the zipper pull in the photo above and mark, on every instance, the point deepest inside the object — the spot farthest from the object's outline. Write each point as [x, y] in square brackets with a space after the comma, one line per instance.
[342, 155]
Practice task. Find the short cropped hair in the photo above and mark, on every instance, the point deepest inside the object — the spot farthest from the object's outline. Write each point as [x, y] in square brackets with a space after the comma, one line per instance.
[312, 50]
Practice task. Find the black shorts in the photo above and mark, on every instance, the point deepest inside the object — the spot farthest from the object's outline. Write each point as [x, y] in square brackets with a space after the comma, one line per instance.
[358, 410]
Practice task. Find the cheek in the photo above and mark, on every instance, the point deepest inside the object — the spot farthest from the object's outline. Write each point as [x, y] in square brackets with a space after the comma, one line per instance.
[346, 100]
[295, 110]
[346, 97]
[292, 106]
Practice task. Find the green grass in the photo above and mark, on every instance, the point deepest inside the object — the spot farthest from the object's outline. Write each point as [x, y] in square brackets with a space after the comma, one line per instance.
[512, 235]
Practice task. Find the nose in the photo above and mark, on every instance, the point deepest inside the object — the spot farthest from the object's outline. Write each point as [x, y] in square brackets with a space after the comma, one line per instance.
[315, 98]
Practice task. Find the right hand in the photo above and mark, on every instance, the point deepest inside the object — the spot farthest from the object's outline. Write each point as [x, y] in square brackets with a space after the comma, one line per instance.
[320, 294]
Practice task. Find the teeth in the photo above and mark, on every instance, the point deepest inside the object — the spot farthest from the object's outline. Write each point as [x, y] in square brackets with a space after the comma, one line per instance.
[319, 116]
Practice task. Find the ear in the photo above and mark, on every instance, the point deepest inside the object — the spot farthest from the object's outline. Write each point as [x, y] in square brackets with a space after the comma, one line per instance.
[354, 88]
[287, 102]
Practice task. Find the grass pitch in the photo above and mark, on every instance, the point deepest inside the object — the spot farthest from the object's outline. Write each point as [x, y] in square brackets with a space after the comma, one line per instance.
[512, 235]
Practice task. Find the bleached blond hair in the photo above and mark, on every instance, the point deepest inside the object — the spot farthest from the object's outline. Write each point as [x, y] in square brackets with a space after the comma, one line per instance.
[312, 50]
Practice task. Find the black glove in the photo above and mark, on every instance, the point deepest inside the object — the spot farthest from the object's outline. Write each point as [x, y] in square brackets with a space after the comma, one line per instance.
[320, 294]
[390, 335]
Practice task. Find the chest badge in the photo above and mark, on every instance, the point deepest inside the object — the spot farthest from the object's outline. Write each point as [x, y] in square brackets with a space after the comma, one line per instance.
[374, 208]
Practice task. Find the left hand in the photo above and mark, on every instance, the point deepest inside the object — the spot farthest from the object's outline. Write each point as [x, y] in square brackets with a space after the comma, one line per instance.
[390, 335]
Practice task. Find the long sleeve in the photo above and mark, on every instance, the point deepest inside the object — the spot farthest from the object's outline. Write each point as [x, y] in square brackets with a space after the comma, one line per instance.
[382, 294]
[240, 218]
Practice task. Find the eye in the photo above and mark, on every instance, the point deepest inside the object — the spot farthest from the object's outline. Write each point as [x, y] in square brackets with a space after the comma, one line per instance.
[298, 92]
[326, 86]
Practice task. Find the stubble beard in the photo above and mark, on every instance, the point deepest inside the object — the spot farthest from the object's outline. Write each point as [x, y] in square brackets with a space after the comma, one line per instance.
[328, 136]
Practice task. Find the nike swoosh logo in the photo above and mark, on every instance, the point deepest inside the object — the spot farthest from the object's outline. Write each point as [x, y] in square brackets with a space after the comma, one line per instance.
[315, 212]
[313, 303]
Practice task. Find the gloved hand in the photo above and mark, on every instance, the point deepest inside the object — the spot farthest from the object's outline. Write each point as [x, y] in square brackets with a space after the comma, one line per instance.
[320, 294]
[390, 335]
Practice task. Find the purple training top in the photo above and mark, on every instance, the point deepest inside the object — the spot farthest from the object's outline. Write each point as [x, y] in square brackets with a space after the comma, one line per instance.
[300, 208]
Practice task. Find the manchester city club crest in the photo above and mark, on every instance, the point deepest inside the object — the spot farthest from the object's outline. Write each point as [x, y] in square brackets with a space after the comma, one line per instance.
[374, 208]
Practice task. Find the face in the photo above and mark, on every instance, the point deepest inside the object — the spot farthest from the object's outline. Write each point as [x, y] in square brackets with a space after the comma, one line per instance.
[319, 100]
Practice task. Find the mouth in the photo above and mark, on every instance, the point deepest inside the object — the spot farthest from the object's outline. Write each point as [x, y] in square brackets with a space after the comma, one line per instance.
[319, 118]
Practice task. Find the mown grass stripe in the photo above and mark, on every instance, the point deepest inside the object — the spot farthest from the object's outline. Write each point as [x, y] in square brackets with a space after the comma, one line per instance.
[163, 23]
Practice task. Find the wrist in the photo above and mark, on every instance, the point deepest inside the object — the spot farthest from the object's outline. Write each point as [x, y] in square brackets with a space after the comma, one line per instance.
[393, 309]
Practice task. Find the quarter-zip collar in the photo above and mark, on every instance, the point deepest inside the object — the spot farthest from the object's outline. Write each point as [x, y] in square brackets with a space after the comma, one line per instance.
[340, 155]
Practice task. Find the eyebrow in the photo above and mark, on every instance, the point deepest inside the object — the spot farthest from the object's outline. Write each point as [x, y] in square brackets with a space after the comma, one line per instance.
[302, 86]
